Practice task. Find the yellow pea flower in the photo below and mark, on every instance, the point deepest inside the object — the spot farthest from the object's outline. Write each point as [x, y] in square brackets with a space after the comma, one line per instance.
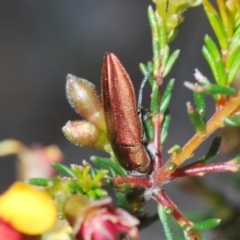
[29, 210]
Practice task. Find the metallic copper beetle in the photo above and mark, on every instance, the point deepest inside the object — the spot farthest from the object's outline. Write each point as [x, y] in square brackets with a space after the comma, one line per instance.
[123, 124]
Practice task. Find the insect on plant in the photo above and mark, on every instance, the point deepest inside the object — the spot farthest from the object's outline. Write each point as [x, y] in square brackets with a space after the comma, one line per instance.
[117, 125]
[124, 128]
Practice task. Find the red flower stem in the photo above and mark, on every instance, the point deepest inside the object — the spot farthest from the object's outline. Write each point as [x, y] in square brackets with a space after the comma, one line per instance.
[161, 197]
[163, 174]
[135, 181]
[157, 121]
[200, 169]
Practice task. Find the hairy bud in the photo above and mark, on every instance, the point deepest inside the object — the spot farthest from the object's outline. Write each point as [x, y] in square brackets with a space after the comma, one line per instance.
[85, 134]
[82, 96]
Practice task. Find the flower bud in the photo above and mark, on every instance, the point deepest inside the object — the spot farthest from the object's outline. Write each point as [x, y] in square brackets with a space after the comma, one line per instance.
[171, 11]
[97, 220]
[85, 134]
[82, 96]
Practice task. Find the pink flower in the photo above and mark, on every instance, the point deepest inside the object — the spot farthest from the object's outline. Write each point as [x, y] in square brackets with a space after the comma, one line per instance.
[99, 220]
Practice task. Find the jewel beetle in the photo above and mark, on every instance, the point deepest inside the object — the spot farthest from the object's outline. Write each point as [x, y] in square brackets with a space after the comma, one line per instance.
[124, 128]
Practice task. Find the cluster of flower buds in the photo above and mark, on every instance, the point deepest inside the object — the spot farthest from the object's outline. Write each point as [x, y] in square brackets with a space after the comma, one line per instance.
[82, 96]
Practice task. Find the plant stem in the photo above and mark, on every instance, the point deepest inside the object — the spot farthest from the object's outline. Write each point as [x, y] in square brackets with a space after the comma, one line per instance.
[200, 169]
[134, 181]
[157, 121]
[163, 175]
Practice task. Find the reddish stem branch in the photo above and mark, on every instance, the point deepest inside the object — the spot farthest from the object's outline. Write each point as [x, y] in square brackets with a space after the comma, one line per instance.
[161, 197]
[134, 181]
[157, 121]
[163, 175]
[200, 169]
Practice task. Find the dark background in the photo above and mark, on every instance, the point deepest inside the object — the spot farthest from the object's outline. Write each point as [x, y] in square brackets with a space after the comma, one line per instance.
[41, 41]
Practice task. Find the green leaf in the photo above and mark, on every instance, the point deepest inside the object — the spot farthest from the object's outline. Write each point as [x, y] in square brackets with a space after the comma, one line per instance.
[163, 40]
[164, 217]
[237, 25]
[93, 172]
[213, 50]
[233, 121]
[216, 24]
[145, 70]
[42, 182]
[211, 62]
[108, 164]
[91, 194]
[100, 192]
[165, 126]
[200, 103]
[154, 105]
[236, 30]
[207, 224]
[122, 201]
[150, 66]
[164, 55]
[155, 37]
[196, 119]
[234, 69]
[64, 170]
[216, 89]
[173, 34]
[213, 150]
[166, 97]
[147, 125]
[75, 187]
[153, 22]
[111, 172]
[170, 62]
[233, 51]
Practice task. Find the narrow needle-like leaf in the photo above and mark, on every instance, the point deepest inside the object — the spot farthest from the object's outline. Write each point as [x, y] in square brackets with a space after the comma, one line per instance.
[164, 217]
[170, 62]
[64, 170]
[166, 97]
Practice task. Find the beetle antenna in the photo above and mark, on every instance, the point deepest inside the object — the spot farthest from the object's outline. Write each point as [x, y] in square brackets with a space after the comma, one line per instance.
[150, 147]
[141, 91]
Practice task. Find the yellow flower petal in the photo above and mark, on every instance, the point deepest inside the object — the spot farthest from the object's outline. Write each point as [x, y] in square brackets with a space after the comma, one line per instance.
[29, 210]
